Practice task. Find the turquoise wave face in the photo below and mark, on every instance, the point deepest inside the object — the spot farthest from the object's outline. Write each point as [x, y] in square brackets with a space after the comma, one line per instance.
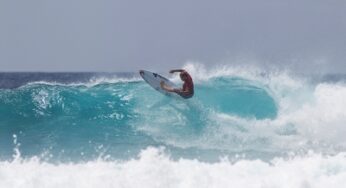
[237, 96]
[74, 122]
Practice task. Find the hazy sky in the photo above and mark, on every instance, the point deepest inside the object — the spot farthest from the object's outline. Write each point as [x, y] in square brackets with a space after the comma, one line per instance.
[115, 35]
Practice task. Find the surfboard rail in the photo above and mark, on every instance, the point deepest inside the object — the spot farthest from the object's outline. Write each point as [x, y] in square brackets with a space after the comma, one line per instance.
[154, 80]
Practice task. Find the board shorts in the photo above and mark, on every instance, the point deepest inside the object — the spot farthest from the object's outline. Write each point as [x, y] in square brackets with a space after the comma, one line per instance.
[186, 96]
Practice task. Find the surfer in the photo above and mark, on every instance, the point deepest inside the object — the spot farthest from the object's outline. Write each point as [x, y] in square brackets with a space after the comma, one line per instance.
[187, 90]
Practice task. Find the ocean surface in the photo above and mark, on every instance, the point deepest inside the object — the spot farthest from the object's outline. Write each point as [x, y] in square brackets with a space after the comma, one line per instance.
[245, 127]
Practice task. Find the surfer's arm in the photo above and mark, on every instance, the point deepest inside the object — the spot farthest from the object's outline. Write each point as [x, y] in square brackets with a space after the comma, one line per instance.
[177, 70]
[167, 88]
[178, 91]
[182, 92]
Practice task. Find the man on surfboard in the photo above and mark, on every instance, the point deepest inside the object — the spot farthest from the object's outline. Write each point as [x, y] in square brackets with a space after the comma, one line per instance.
[188, 89]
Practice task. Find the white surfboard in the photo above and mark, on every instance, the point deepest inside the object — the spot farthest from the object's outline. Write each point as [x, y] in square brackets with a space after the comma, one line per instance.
[154, 80]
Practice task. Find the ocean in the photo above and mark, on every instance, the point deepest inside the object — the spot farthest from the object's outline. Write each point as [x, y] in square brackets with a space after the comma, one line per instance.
[245, 127]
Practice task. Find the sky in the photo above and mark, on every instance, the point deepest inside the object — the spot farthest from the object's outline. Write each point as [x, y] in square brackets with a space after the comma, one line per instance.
[127, 35]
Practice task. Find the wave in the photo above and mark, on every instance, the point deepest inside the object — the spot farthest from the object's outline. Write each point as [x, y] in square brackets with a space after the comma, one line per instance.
[155, 168]
[235, 111]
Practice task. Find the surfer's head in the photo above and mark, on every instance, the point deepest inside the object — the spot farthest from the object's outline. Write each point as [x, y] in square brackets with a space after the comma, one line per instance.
[183, 76]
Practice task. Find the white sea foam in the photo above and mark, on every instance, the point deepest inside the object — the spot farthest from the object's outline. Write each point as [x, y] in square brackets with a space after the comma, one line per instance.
[154, 168]
[324, 117]
[316, 123]
[92, 82]
[100, 80]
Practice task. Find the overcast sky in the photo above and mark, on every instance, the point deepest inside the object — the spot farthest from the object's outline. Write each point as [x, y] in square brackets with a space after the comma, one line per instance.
[115, 35]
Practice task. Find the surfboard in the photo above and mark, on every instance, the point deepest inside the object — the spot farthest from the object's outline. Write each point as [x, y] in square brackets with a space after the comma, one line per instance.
[154, 80]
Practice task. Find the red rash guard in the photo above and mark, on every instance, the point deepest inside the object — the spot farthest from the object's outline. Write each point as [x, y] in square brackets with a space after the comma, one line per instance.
[188, 85]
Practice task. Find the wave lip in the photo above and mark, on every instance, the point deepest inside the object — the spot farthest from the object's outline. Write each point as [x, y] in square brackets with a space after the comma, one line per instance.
[13, 80]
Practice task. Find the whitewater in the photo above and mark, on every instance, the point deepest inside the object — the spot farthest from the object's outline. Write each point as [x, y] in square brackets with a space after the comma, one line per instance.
[245, 127]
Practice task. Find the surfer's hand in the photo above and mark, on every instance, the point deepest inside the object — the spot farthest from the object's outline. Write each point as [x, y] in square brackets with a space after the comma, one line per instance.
[171, 71]
[162, 83]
